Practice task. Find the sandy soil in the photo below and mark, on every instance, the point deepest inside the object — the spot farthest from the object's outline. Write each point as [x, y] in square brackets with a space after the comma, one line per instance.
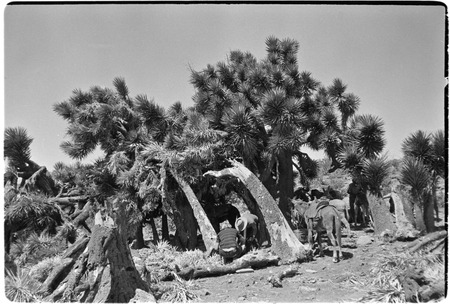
[319, 280]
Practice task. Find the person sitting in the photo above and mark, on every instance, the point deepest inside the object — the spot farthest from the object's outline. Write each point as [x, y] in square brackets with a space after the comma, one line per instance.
[247, 224]
[230, 244]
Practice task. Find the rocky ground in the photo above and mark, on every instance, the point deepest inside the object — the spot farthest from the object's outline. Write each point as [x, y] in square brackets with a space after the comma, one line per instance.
[319, 280]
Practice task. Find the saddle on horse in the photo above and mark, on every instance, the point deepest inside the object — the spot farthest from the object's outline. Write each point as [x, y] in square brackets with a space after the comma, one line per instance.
[314, 208]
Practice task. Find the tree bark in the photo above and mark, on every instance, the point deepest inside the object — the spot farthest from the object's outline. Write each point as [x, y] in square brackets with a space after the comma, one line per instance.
[428, 212]
[77, 248]
[285, 183]
[284, 242]
[405, 228]
[139, 236]
[110, 268]
[421, 242]
[80, 219]
[259, 260]
[169, 197]
[418, 216]
[41, 180]
[189, 222]
[244, 193]
[208, 233]
[164, 227]
[68, 200]
[382, 220]
[56, 276]
[276, 279]
[106, 264]
[154, 230]
[407, 206]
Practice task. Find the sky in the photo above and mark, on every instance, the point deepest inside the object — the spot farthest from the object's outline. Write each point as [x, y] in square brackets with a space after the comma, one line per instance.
[390, 56]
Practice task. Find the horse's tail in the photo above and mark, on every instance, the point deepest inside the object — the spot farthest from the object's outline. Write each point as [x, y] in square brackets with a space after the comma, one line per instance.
[337, 227]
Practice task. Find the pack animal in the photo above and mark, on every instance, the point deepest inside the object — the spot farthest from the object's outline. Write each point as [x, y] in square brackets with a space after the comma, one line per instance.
[319, 217]
[342, 208]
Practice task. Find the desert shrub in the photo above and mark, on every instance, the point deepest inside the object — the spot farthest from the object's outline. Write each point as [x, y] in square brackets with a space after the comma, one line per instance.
[20, 286]
[189, 258]
[388, 271]
[196, 258]
[36, 247]
[180, 291]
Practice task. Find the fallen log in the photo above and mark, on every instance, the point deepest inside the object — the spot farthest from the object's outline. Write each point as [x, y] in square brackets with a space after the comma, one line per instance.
[426, 239]
[80, 220]
[68, 200]
[75, 250]
[254, 261]
[73, 288]
[56, 276]
[276, 279]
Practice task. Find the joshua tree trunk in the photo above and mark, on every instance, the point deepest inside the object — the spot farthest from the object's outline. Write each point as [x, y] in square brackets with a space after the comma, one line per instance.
[253, 207]
[164, 227]
[189, 222]
[208, 233]
[380, 214]
[40, 180]
[285, 182]
[405, 226]
[418, 215]
[154, 230]
[107, 265]
[140, 242]
[111, 269]
[428, 212]
[284, 242]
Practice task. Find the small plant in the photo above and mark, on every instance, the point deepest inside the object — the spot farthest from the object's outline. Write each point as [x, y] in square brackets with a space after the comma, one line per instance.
[20, 286]
[164, 246]
[387, 271]
[180, 291]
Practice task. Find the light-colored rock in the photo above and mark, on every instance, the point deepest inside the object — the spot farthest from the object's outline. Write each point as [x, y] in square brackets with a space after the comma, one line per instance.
[364, 240]
[142, 296]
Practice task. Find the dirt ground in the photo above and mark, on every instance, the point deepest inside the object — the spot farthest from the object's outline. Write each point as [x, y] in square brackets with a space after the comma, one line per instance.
[319, 280]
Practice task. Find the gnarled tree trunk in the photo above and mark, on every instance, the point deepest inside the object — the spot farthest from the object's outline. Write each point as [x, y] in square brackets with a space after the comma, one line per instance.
[106, 264]
[264, 236]
[418, 216]
[208, 233]
[41, 180]
[405, 227]
[285, 182]
[382, 220]
[428, 211]
[284, 242]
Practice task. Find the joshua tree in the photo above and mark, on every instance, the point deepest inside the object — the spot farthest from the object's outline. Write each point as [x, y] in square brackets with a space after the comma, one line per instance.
[18, 153]
[425, 161]
[359, 152]
[270, 110]
[30, 211]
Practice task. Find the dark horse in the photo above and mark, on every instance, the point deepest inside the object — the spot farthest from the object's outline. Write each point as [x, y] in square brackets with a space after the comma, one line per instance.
[219, 213]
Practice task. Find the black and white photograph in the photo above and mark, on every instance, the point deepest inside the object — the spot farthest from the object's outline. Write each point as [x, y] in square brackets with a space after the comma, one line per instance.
[225, 152]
